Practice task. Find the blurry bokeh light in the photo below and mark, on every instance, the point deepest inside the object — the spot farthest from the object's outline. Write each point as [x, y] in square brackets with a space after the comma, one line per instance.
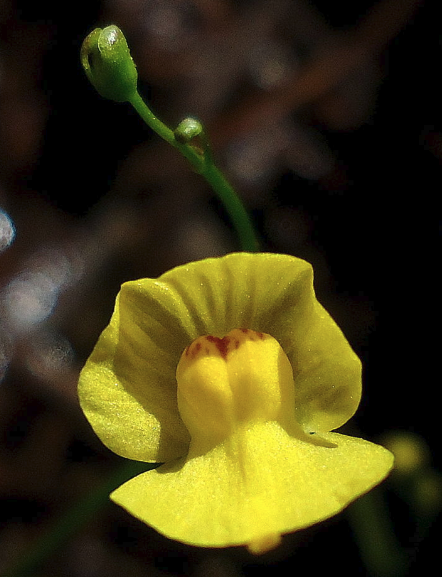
[49, 354]
[7, 230]
[28, 300]
[269, 64]
[167, 22]
[31, 296]
[252, 160]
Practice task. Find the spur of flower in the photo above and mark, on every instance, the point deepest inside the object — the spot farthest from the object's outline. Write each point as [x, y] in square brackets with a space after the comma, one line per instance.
[230, 373]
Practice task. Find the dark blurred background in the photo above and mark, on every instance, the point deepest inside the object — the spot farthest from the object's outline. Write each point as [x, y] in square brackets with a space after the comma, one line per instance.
[326, 117]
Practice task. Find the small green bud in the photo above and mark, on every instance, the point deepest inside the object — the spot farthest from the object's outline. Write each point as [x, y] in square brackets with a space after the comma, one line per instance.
[187, 129]
[106, 59]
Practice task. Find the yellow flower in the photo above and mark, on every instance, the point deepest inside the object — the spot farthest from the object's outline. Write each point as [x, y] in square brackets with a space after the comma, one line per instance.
[230, 372]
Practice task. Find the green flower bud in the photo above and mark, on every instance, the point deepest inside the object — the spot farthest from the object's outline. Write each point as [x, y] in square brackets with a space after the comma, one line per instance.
[106, 59]
[187, 129]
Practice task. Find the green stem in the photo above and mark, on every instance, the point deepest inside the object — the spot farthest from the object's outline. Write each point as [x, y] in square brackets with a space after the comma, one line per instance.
[74, 519]
[235, 208]
[165, 132]
[380, 551]
[206, 167]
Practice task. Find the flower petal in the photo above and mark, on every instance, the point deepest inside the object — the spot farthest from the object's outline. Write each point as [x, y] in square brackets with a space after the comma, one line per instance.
[255, 486]
[128, 388]
[274, 294]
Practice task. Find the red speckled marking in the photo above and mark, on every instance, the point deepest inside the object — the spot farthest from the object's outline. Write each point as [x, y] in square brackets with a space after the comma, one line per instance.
[252, 333]
[193, 349]
[221, 344]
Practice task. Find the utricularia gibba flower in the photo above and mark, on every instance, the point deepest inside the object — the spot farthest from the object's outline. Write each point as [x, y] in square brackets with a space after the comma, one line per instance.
[230, 372]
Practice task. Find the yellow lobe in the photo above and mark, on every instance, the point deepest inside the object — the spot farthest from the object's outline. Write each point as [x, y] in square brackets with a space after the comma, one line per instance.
[224, 383]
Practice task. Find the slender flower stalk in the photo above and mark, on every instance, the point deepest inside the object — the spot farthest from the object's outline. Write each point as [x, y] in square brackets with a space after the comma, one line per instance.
[110, 68]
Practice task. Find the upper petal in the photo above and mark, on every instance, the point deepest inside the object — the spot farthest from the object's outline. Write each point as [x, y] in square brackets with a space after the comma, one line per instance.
[274, 294]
